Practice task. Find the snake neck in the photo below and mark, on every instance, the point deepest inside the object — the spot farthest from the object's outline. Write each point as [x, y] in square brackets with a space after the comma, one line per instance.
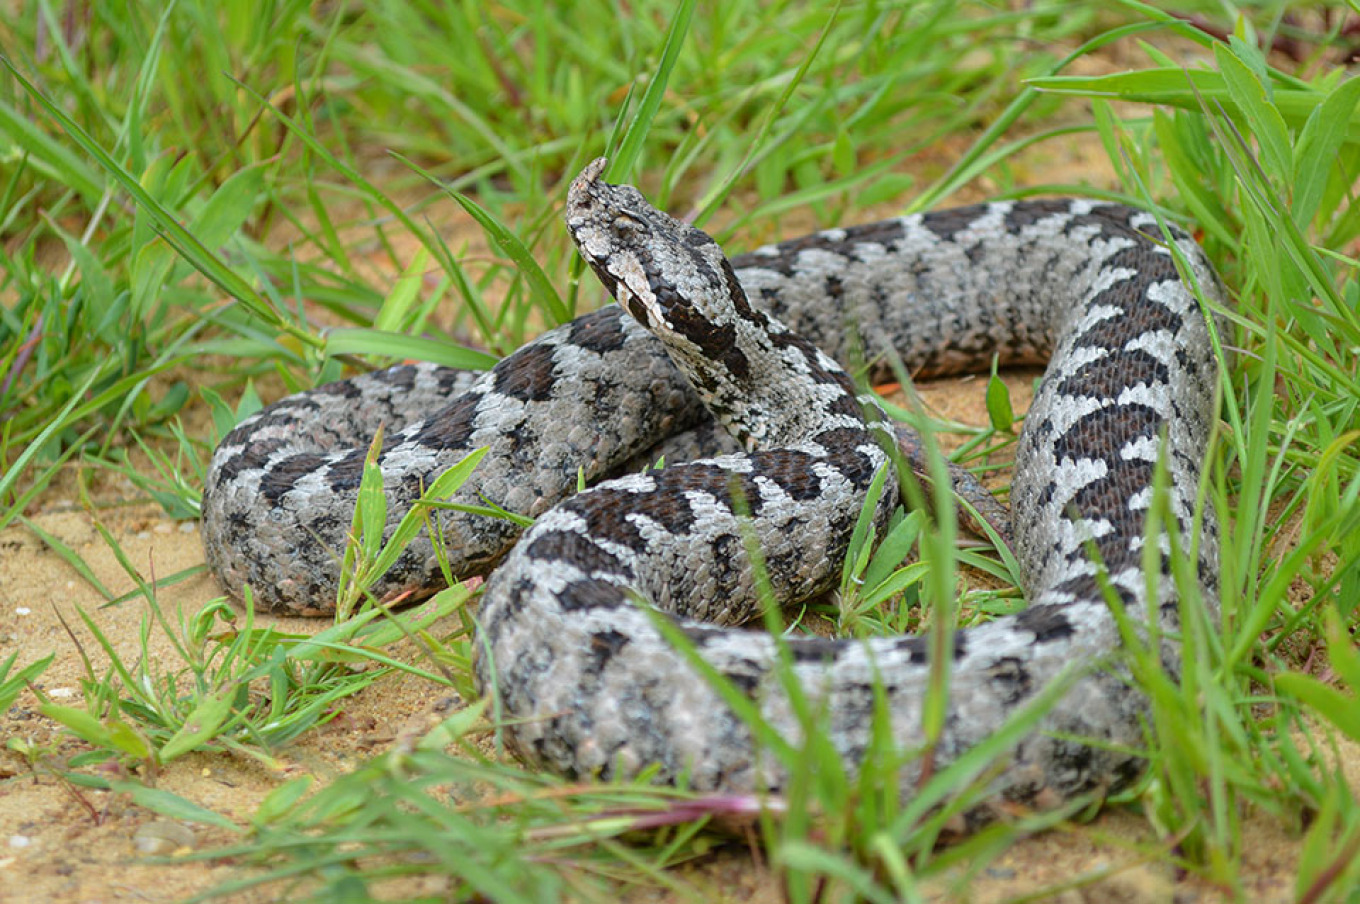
[786, 393]
[764, 384]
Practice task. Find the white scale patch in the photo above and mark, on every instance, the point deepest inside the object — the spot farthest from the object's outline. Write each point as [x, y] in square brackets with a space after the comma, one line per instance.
[1143, 449]
[1154, 397]
[1172, 295]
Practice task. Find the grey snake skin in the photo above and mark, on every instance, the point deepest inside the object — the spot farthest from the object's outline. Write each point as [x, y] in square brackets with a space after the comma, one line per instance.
[586, 681]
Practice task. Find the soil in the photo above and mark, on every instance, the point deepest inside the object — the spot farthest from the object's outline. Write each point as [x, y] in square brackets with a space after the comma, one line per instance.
[60, 843]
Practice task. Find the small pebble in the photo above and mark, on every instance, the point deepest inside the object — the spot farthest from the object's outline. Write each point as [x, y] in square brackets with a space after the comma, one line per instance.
[19, 841]
[163, 837]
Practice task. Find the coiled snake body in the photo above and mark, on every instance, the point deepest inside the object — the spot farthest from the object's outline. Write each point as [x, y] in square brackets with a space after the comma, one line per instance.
[582, 671]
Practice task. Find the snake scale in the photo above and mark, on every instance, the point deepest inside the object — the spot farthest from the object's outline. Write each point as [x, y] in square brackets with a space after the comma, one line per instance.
[587, 682]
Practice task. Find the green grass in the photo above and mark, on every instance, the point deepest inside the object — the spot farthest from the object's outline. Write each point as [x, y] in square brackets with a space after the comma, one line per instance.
[152, 162]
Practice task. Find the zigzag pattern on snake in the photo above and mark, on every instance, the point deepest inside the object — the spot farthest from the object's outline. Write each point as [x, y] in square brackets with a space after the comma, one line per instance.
[590, 684]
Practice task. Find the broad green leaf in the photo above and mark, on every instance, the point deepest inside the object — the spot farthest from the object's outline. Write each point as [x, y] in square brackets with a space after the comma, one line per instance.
[1189, 90]
[885, 188]
[49, 155]
[1341, 710]
[361, 341]
[280, 803]
[151, 268]
[999, 408]
[111, 733]
[894, 549]
[1246, 50]
[172, 805]
[372, 506]
[1266, 123]
[224, 419]
[405, 292]
[895, 583]
[229, 207]
[202, 724]
[1315, 154]
[95, 281]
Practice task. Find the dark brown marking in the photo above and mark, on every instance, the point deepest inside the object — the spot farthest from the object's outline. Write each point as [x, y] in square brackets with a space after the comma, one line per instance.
[451, 427]
[1047, 622]
[1111, 427]
[599, 332]
[1105, 378]
[592, 594]
[528, 374]
[573, 548]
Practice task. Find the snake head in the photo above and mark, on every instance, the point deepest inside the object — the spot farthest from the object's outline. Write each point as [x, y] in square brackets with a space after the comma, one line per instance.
[667, 274]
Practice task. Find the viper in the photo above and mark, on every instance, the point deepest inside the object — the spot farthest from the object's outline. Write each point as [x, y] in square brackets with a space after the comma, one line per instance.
[592, 625]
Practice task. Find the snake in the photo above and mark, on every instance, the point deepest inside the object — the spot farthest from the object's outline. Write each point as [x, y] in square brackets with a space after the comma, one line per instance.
[613, 632]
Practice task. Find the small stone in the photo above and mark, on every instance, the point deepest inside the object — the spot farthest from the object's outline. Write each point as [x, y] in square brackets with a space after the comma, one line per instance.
[162, 837]
[1047, 800]
[19, 842]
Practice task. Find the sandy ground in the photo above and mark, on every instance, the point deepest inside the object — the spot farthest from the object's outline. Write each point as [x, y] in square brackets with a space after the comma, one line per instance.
[63, 844]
